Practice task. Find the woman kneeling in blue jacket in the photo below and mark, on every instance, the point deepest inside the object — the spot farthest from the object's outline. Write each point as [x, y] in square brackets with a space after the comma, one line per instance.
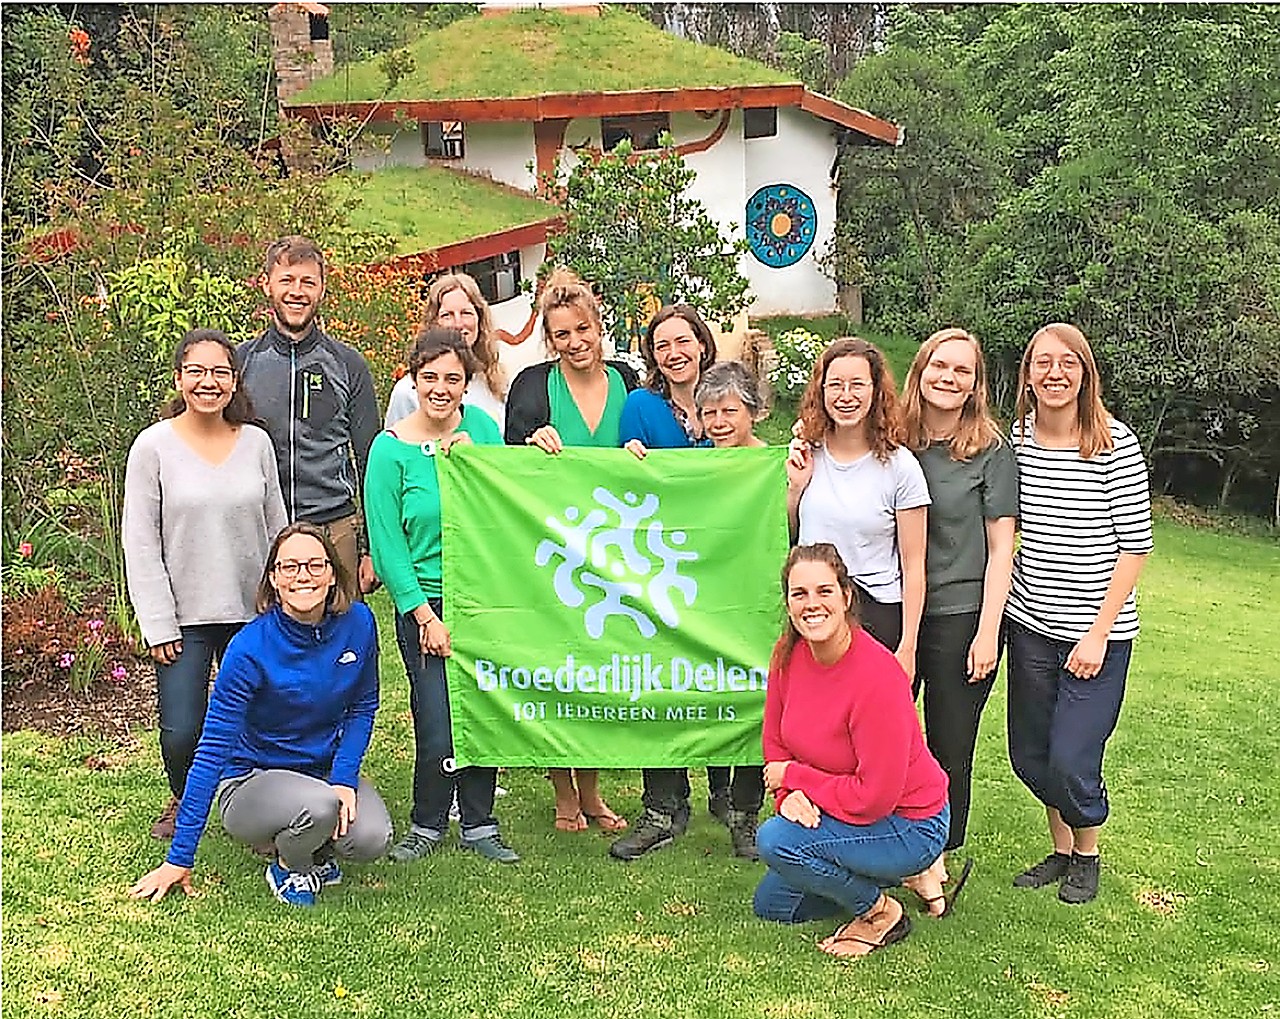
[288, 725]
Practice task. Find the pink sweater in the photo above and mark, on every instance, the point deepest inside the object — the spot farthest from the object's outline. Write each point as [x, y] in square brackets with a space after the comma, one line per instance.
[853, 736]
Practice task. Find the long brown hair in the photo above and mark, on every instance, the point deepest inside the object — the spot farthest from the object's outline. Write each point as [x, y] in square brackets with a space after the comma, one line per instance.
[884, 430]
[485, 347]
[564, 289]
[654, 379]
[820, 552]
[341, 594]
[1091, 413]
[239, 409]
[977, 429]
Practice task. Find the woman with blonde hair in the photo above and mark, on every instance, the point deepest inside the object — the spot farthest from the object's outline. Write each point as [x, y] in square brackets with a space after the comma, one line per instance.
[973, 482]
[1085, 519]
[851, 482]
[454, 301]
[576, 399]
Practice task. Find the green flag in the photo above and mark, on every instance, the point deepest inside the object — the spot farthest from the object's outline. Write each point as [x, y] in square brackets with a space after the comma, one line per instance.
[607, 611]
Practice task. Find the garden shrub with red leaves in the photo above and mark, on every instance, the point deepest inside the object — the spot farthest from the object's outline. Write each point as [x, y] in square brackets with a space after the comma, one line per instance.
[47, 642]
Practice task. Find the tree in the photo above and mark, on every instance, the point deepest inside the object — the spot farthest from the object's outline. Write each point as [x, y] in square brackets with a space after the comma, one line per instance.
[634, 234]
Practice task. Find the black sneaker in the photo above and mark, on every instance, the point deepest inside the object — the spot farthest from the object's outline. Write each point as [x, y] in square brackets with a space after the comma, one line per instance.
[1050, 870]
[719, 806]
[1081, 883]
[652, 831]
[742, 830]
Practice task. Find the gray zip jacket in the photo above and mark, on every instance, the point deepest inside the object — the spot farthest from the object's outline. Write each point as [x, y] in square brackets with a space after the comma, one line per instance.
[316, 398]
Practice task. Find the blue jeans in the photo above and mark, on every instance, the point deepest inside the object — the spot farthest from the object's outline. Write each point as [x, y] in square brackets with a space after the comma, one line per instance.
[1059, 725]
[838, 867]
[182, 693]
[434, 779]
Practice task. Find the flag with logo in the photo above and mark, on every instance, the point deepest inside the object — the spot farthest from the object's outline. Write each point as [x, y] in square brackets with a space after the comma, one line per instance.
[607, 611]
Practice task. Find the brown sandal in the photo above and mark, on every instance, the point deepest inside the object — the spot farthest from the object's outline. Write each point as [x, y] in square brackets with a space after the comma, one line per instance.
[609, 822]
[892, 936]
[576, 822]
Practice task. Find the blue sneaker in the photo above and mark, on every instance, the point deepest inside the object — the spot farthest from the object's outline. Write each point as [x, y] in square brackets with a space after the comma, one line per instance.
[328, 873]
[292, 887]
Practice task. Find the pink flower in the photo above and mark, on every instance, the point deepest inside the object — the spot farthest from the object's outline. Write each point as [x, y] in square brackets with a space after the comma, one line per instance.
[119, 674]
[95, 625]
[25, 550]
[66, 660]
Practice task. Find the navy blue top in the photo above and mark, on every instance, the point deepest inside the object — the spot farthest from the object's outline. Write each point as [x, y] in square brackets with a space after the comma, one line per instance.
[651, 419]
[288, 695]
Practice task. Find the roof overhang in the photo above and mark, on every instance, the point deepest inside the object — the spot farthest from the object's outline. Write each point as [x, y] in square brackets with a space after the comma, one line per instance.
[568, 105]
[475, 248]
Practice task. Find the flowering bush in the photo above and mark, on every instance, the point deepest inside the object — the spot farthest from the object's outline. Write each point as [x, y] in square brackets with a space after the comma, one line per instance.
[797, 350]
[46, 641]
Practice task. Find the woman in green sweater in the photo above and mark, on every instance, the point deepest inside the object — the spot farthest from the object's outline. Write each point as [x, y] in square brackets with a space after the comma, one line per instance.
[402, 512]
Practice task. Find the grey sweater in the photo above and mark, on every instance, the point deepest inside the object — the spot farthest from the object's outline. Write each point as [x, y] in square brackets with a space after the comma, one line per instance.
[196, 536]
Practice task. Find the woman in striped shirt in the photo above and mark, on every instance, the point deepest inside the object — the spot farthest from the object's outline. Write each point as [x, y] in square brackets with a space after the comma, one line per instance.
[1085, 518]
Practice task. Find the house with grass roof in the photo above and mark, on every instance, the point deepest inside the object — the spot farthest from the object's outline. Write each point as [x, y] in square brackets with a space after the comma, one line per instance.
[504, 96]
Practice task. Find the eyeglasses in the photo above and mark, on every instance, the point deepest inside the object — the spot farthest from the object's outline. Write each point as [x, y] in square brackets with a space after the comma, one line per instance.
[196, 372]
[857, 386]
[288, 568]
[1067, 363]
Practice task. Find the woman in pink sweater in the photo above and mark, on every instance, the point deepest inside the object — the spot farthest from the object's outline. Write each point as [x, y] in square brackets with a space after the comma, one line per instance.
[862, 805]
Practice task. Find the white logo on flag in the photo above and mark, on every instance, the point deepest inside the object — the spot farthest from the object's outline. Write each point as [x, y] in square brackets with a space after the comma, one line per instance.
[599, 553]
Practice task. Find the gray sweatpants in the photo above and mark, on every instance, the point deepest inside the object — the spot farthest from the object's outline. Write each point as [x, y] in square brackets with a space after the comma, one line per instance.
[299, 813]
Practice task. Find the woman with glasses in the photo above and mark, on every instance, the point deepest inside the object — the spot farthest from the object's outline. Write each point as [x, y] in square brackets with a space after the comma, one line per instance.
[1085, 518]
[288, 725]
[852, 483]
[575, 399]
[402, 512]
[202, 503]
[454, 301]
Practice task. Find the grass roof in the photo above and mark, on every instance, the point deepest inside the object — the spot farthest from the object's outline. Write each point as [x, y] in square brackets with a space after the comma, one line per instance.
[533, 52]
[431, 206]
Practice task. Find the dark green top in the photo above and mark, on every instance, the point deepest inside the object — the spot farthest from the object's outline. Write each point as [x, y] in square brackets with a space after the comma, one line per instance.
[567, 419]
[966, 494]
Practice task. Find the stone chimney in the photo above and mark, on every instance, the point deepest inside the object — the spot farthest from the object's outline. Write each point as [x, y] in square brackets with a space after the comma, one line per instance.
[300, 46]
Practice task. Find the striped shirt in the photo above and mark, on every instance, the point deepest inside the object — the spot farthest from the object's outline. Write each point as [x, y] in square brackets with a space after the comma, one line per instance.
[1076, 517]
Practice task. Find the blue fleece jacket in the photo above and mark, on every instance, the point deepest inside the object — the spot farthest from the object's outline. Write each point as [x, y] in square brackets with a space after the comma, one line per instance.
[288, 695]
[648, 417]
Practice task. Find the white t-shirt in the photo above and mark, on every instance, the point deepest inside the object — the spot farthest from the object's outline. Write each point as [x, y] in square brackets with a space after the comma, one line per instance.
[404, 400]
[853, 506]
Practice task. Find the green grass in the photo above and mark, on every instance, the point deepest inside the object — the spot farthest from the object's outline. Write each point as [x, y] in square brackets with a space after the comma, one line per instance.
[431, 206]
[1185, 924]
[533, 52]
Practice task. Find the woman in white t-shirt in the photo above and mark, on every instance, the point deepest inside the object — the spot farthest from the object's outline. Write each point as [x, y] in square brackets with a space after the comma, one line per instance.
[852, 483]
[454, 301]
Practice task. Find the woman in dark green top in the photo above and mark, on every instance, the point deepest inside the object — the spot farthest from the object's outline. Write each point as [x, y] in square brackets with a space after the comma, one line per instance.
[574, 400]
[973, 482]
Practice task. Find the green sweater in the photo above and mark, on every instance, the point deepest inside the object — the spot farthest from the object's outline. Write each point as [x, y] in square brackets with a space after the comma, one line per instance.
[402, 511]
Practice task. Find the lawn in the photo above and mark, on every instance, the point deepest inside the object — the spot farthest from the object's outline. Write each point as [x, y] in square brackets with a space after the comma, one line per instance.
[1186, 923]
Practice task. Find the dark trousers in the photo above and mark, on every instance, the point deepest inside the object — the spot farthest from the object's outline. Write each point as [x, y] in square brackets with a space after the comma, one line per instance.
[666, 791]
[1059, 725]
[182, 695]
[434, 779]
[743, 782]
[952, 706]
[883, 620]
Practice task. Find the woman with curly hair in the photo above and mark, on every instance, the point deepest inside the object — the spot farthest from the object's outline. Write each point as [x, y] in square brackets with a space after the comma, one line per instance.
[852, 483]
[454, 301]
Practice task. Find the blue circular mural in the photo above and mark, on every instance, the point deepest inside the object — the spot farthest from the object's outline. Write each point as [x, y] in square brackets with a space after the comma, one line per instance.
[781, 224]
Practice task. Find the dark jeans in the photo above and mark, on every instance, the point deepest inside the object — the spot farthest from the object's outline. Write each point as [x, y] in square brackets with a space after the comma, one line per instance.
[838, 867]
[666, 791]
[743, 782]
[1059, 725]
[182, 694]
[883, 620]
[434, 779]
[952, 706]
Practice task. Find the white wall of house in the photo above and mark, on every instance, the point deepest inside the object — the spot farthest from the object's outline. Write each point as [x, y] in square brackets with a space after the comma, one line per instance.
[501, 151]
[388, 145]
[513, 314]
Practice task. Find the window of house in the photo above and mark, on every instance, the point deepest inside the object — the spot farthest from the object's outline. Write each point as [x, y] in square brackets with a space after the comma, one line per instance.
[760, 123]
[319, 26]
[443, 139]
[643, 130]
[498, 277]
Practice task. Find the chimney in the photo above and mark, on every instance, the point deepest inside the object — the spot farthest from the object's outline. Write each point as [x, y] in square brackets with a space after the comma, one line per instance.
[300, 46]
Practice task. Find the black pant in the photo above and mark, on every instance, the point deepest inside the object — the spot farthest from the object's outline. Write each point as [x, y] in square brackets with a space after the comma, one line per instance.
[952, 706]
[883, 620]
[745, 787]
[666, 791]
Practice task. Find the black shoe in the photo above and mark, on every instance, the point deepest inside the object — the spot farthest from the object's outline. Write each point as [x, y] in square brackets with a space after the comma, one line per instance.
[719, 806]
[742, 830]
[1050, 870]
[652, 831]
[1081, 883]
